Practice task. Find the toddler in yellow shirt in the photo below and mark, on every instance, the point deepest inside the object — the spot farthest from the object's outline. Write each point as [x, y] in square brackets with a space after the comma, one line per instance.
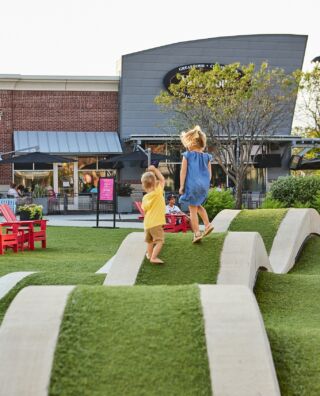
[154, 207]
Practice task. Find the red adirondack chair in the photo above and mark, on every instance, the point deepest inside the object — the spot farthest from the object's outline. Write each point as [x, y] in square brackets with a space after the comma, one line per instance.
[8, 241]
[28, 230]
[175, 222]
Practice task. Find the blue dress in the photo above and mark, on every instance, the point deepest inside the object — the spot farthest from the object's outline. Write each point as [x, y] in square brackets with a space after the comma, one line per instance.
[197, 181]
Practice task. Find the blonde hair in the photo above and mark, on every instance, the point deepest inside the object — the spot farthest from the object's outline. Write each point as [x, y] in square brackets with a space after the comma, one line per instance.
[194, 138]
[148, 180]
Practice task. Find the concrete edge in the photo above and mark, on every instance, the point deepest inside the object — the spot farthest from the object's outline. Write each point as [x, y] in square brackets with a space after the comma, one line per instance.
[242, 255]
[239, 354]
[127, 261]
[223, 219]
[28, 337]
[296, 226]
[105, 269]
[9, 281]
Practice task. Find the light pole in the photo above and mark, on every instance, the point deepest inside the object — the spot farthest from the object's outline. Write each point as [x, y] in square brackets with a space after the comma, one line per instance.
[147, 152]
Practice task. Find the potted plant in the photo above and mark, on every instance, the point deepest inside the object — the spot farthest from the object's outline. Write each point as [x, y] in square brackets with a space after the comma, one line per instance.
[30, 212]
[124, 200]
[39, 196]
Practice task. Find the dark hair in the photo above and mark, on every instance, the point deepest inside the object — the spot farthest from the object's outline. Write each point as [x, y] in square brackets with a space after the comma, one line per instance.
[171, 196]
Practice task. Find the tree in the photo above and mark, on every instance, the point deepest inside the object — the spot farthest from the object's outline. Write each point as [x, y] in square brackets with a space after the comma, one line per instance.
[309, 95]
[237, 106]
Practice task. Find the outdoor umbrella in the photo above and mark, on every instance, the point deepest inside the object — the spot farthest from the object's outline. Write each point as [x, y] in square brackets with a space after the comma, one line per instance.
[36, 158]
[310, 164]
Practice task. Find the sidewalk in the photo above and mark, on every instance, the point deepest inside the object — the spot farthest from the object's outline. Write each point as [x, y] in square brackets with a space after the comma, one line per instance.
[89, 220]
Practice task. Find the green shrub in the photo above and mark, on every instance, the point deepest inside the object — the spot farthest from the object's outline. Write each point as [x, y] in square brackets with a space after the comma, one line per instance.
[290, 190]
[270, 203]
[316, 202]
[217, 201]
[298, 204]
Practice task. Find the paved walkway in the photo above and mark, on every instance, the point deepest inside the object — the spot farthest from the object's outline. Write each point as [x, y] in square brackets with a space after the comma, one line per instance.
[89, 220]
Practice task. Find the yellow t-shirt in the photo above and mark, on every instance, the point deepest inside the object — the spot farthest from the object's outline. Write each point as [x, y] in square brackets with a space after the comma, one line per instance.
[154, 208]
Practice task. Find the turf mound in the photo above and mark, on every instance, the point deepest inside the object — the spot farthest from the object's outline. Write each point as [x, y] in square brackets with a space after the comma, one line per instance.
[182, 264]
[292, 319]
[264, 221]
[48, 278]
[132, 340]
[309, 260]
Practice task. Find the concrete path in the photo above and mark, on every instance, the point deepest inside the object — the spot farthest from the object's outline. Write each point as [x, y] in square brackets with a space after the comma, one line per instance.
[240, 358]
[223, 219]
[7, 282]
[243, 253]
[127, 261]
[89, 220]
[28, 337]
[296, 226]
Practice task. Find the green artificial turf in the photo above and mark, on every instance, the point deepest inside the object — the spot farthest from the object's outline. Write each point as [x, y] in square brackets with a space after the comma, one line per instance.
[264, 221]
[69, 249]
[291, 313]
[131, 341]
[49, 278]
[185, 263]
[308, 262]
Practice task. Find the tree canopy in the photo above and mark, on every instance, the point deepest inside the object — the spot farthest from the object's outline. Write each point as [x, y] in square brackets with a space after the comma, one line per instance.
[238, 106]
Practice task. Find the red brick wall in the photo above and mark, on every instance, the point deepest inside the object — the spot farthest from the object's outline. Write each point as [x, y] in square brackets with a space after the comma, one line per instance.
[54, 111]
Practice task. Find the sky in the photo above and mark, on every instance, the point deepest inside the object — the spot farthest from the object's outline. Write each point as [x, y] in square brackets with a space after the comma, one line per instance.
[77, 37]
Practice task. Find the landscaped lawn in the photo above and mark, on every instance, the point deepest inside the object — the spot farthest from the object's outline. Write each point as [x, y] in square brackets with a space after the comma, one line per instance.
[132, 340]
[264, 221]
[69, 249]
[185, 263]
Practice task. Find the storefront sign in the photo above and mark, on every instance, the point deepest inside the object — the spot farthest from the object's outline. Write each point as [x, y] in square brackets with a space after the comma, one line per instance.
[171, 76]
[106, 189]
[106, 195]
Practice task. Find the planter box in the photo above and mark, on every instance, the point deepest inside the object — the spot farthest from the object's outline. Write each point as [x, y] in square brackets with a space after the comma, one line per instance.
[124, 204]
[42, 201]
[26, 216]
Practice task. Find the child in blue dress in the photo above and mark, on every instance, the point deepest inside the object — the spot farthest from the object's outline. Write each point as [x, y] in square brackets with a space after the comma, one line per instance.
[195, 179]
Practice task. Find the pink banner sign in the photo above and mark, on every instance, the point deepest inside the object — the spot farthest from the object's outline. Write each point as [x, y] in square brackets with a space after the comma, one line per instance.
[106, 189]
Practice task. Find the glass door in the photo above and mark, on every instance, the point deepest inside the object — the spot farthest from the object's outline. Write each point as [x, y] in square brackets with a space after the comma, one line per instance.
[66, 179]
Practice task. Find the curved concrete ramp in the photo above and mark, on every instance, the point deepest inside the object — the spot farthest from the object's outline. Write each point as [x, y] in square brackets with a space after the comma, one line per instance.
[127, 261]
[242, 255]
[296, 226]
[223, 219]
[28, 337]
[240, 358]
[8, 281]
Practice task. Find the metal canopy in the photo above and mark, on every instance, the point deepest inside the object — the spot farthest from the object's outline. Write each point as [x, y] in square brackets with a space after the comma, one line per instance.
[69, 143]
[298, 141]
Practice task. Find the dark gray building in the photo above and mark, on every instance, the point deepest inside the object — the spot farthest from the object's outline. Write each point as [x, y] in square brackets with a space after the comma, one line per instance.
[142, 79]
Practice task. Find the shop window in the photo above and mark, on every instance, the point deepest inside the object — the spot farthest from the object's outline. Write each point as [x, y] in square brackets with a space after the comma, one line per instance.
[88, 180]
[31, 178]
[87, 163]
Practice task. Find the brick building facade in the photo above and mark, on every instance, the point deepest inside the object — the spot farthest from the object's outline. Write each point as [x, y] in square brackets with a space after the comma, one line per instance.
[91, 107]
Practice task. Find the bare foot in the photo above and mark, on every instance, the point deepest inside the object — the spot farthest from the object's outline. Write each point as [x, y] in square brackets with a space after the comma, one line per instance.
[156, 261]
[147, 256]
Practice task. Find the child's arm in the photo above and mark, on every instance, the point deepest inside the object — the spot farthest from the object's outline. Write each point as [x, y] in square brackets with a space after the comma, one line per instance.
[183, 174]
[158, 174]
[210, 170]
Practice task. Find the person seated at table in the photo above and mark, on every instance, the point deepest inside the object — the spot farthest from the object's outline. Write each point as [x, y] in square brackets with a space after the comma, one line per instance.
[21, 190]
[12, 192]
[171, 207]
